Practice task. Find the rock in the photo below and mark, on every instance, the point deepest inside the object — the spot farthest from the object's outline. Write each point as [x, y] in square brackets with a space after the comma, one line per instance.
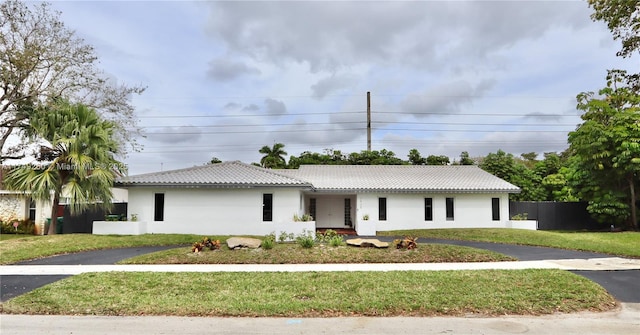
[243, 242]
[367, 242]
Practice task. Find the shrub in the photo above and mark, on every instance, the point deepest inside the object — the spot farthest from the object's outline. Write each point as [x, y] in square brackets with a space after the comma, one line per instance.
[520, 217]
[306, 240]
[326, 236]
[336, 241]
[269, 241]
[284, 237]
[304, 218]
[17, 227]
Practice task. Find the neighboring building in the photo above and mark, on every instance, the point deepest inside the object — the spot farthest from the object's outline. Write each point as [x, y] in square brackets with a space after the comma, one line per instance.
[237, 198]
[16, 205]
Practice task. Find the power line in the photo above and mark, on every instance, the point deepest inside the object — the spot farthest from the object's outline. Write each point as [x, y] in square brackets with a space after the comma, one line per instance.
[359, 122]
[351, 112]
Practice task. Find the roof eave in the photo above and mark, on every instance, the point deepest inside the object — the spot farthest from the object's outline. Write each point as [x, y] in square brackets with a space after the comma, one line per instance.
[207, 186]
[432, 191]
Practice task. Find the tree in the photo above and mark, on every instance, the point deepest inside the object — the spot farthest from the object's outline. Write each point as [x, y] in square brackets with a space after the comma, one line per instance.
[42, 60]
[215, 160]
[329, 157]
[505, 166]
[382, 157]
[415, 158]
[273, 157]
[607, 145]
[77, 156]
[623, 19]
[465, 159]
[437, 160]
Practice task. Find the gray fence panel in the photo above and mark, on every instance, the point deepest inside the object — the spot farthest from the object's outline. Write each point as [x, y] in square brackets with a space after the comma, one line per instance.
[556, 215]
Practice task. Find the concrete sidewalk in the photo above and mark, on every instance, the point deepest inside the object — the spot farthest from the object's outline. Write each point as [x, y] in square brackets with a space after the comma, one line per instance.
[625, 320]
[594, 264]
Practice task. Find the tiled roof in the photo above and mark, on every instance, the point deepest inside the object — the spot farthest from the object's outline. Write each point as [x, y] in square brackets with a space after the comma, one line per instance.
[227, 174]
[330, 178]
[402, 178]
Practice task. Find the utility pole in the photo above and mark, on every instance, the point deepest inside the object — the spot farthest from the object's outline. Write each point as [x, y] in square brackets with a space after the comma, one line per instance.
[368, 121]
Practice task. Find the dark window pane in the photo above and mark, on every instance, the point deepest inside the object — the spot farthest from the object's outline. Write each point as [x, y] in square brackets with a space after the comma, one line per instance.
[428, 209]
[267, 207]
[495, 208]
[449, 205]
[382, 209]
[158, 207]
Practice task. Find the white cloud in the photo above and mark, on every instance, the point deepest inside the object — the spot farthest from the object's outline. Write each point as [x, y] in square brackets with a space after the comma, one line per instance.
[249, 74]
[224, 69]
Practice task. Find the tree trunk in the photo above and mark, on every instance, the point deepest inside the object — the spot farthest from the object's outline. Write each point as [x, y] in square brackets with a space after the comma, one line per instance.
[54, 213]
[632, 191]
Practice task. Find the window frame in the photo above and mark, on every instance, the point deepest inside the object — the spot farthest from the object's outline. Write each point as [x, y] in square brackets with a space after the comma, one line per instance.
[158, 206]
[495, 209]
[267, 207]
[428, 209]
[450, 207]
[382, 209]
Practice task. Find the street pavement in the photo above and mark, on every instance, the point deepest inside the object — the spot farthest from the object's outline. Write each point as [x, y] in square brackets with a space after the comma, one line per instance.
[620, 276]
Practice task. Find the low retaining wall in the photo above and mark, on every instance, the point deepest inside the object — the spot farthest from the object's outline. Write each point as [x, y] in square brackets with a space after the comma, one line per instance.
[140, 227]
[523, 224]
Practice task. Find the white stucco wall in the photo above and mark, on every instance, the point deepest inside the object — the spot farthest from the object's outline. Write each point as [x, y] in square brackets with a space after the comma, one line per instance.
[14, 205]
[406, 211]
[215, 211]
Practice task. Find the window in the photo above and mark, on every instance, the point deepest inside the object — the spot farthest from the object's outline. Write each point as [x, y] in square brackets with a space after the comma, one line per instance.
[267, 207]
[32, 210]
[158, 207]
[428, 209]
[312, 208]
[382, 209]
[495, 209]
[347, 212]
[449, 205]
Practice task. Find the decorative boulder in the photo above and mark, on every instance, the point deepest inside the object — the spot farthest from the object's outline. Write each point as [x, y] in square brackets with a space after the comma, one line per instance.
[367, 242]
[243, 242]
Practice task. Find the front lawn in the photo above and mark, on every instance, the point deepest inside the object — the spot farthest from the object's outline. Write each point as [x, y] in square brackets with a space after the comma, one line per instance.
[619, 244]
[31, 247]
[313, 294]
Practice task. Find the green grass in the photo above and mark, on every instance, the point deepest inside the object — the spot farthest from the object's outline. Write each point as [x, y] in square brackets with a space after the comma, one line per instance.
[291, 253]
[14, 248]
[4, 237]
[30, 247]
[618, 244]
[311, 294]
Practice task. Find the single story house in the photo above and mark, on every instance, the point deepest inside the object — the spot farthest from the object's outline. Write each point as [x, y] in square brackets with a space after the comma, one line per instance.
[237, 198]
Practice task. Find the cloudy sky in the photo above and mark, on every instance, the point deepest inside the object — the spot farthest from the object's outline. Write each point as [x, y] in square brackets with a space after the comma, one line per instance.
[225, 78]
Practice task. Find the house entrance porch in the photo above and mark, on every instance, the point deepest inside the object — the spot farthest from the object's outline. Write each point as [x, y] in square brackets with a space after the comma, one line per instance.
[331, 211]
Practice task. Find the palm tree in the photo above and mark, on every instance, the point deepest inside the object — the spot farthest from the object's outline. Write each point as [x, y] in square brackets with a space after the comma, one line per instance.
[76, 155]
[273, 157]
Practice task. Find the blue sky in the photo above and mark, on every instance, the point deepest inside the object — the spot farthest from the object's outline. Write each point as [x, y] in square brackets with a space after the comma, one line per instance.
[225, 78]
